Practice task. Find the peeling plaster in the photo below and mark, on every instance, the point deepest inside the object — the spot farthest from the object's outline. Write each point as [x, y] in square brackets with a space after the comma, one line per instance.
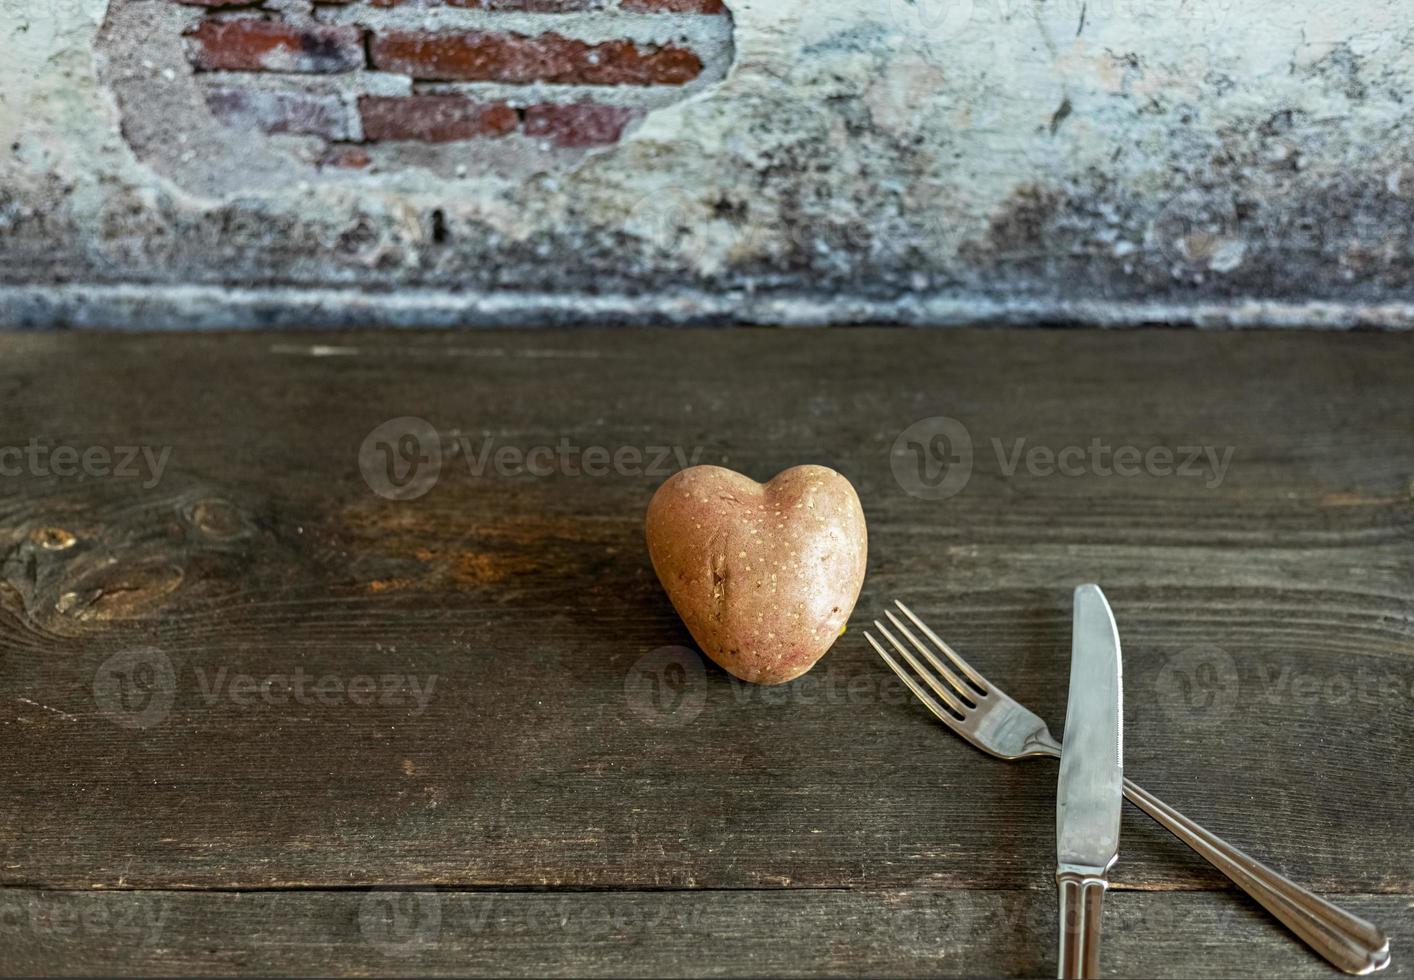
[884, 160]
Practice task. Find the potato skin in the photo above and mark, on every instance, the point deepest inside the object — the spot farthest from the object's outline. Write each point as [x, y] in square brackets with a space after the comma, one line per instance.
[764, 576]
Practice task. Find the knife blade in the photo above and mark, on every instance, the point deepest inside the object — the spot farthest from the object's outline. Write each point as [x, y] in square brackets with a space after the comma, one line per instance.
[1091, 787]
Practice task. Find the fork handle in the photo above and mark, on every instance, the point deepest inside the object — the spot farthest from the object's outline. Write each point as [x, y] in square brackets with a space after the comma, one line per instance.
[1347, 941]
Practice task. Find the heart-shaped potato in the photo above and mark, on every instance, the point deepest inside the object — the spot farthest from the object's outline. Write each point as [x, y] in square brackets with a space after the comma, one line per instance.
[764, 576]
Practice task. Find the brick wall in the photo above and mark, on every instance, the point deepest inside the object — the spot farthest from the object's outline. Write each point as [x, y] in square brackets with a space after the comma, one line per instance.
[366, 78]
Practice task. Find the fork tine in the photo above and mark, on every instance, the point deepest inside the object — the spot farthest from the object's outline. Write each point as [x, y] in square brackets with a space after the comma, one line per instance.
[978, 681]
[950, 699]
[943, 714]
[965, 692]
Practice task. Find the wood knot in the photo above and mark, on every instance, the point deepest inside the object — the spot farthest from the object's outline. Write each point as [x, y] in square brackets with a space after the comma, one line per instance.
[52, 538]
[216, 518]
[121, 592]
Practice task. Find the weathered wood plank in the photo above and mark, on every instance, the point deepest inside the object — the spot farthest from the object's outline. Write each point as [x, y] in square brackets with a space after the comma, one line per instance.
[778, 932]
[263, 553]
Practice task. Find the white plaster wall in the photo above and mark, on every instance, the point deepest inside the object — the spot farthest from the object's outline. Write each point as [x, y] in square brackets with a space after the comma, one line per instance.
[938, 161]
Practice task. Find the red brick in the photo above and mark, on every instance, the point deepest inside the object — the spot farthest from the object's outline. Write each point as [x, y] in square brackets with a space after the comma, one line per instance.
[257, 44]
[674, 6]
[578, 124]
[520, 6]
[482, 56]
[305, 113]
[347, 158]
[434, 118]
[549, 6]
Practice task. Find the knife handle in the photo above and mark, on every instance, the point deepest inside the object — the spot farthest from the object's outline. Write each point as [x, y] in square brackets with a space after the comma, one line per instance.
[1347, 941]
[1082, 897]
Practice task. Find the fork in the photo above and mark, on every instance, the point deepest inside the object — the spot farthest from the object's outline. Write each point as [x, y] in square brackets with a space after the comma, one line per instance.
[982, 714]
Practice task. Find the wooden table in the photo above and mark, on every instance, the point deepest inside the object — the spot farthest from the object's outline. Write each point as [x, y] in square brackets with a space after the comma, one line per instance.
[257, 717]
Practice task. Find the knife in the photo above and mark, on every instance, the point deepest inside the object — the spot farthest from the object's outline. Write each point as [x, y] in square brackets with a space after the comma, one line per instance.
[1091, 782]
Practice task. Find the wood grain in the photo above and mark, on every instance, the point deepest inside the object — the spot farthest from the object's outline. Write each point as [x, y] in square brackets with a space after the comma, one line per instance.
[1267, 617]
[776, 932]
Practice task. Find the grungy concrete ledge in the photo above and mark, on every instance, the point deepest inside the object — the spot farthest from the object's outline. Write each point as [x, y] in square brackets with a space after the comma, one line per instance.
[225, 308]
[1209, 162]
